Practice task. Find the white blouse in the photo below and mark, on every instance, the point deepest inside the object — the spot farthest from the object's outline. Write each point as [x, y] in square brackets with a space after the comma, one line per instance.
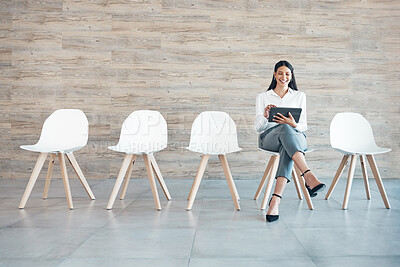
[292, 99]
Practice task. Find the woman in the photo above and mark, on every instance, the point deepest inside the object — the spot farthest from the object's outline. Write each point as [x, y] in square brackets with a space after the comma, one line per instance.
[284, 135]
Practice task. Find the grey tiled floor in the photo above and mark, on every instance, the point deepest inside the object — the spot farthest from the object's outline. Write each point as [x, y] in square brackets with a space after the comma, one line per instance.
[133, 233]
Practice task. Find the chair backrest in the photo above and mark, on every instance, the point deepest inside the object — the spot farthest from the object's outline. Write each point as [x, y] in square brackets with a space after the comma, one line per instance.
[144, 131]
[65, 129]
[351, 132]
[213, 132]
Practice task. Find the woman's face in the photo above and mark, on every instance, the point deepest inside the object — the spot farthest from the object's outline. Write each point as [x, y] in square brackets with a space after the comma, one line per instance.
[283, 76]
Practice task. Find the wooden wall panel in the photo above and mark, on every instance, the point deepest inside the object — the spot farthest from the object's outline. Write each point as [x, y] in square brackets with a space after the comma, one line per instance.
[180, 57]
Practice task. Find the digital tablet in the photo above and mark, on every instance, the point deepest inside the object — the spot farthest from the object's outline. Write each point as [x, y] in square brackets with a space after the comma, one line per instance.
[285, 112]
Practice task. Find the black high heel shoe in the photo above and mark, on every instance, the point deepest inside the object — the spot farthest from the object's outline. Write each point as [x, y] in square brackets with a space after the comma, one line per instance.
[310, 192]
[313, 191]
[271, 218]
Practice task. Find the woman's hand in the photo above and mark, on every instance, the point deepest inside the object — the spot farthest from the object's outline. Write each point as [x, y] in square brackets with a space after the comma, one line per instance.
[267, 109]
[279, 118]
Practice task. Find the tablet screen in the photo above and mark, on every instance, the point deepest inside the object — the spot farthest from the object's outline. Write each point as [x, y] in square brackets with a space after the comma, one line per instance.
[285, 112]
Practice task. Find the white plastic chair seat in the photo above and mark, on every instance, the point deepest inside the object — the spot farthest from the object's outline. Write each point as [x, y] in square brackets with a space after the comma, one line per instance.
[65, 130]
[351, 134]
[142, 132]
[213, 133]
[49, 149]
[363, 151]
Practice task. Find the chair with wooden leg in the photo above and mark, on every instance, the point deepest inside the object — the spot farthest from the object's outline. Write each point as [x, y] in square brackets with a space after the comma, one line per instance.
[63, 132]
[351, 134]
[213, 133]
[144, 132]
[269, 177]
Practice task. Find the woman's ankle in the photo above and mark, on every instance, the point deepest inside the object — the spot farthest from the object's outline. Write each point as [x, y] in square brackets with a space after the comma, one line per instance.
[310, 179]
[275, 200]
[273, 205]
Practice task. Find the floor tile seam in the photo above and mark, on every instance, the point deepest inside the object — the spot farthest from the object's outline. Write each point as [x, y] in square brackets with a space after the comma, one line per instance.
[64, 258]
[375, 190]
[34, 214]
[117, 199]
[349, 210]
[266, 257]
[374, 255]
[104, 226]
[148, 212]
[40, 258]
[357, 256]
[255, 211]
[122, 258]
[10, 225]
[355, 211]
[88, 238]
[176, 229]
[298, 241]
[340, 202]
[59, 200]
[251, 258]
[133, 228]
[81, 244]
[333, 227]
[58, 228]
[365, 218]
[392, 196]
[195, 233]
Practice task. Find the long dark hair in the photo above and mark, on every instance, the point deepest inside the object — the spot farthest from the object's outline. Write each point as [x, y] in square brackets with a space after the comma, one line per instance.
[292, 83]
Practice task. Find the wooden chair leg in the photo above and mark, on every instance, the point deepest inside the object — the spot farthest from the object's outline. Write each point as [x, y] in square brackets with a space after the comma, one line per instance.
[229, 179]
[124, 167]
[127, 177]
[190, 192]
[353, 161]
[296, 183]
[271, 178]
[226, 169]
[365, 176]
[35, 173]
[159, 176]
[337, 176]
[378, 180]
[49, 174]
[79, 173]
[302, 183]
[152, 181]
[64, 174]
[197, 180]
[264, 178]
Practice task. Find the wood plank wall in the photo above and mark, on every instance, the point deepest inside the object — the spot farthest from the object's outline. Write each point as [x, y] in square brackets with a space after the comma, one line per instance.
[182, 57]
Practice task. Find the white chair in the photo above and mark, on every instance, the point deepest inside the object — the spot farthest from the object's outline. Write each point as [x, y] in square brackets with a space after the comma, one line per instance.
[269, 177]
[213, 133]
[351, 134]
[63, 132]
[144, 132]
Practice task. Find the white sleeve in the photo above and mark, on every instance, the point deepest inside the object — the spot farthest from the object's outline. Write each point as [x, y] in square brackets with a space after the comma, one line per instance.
[302, 124]
[261, 122]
